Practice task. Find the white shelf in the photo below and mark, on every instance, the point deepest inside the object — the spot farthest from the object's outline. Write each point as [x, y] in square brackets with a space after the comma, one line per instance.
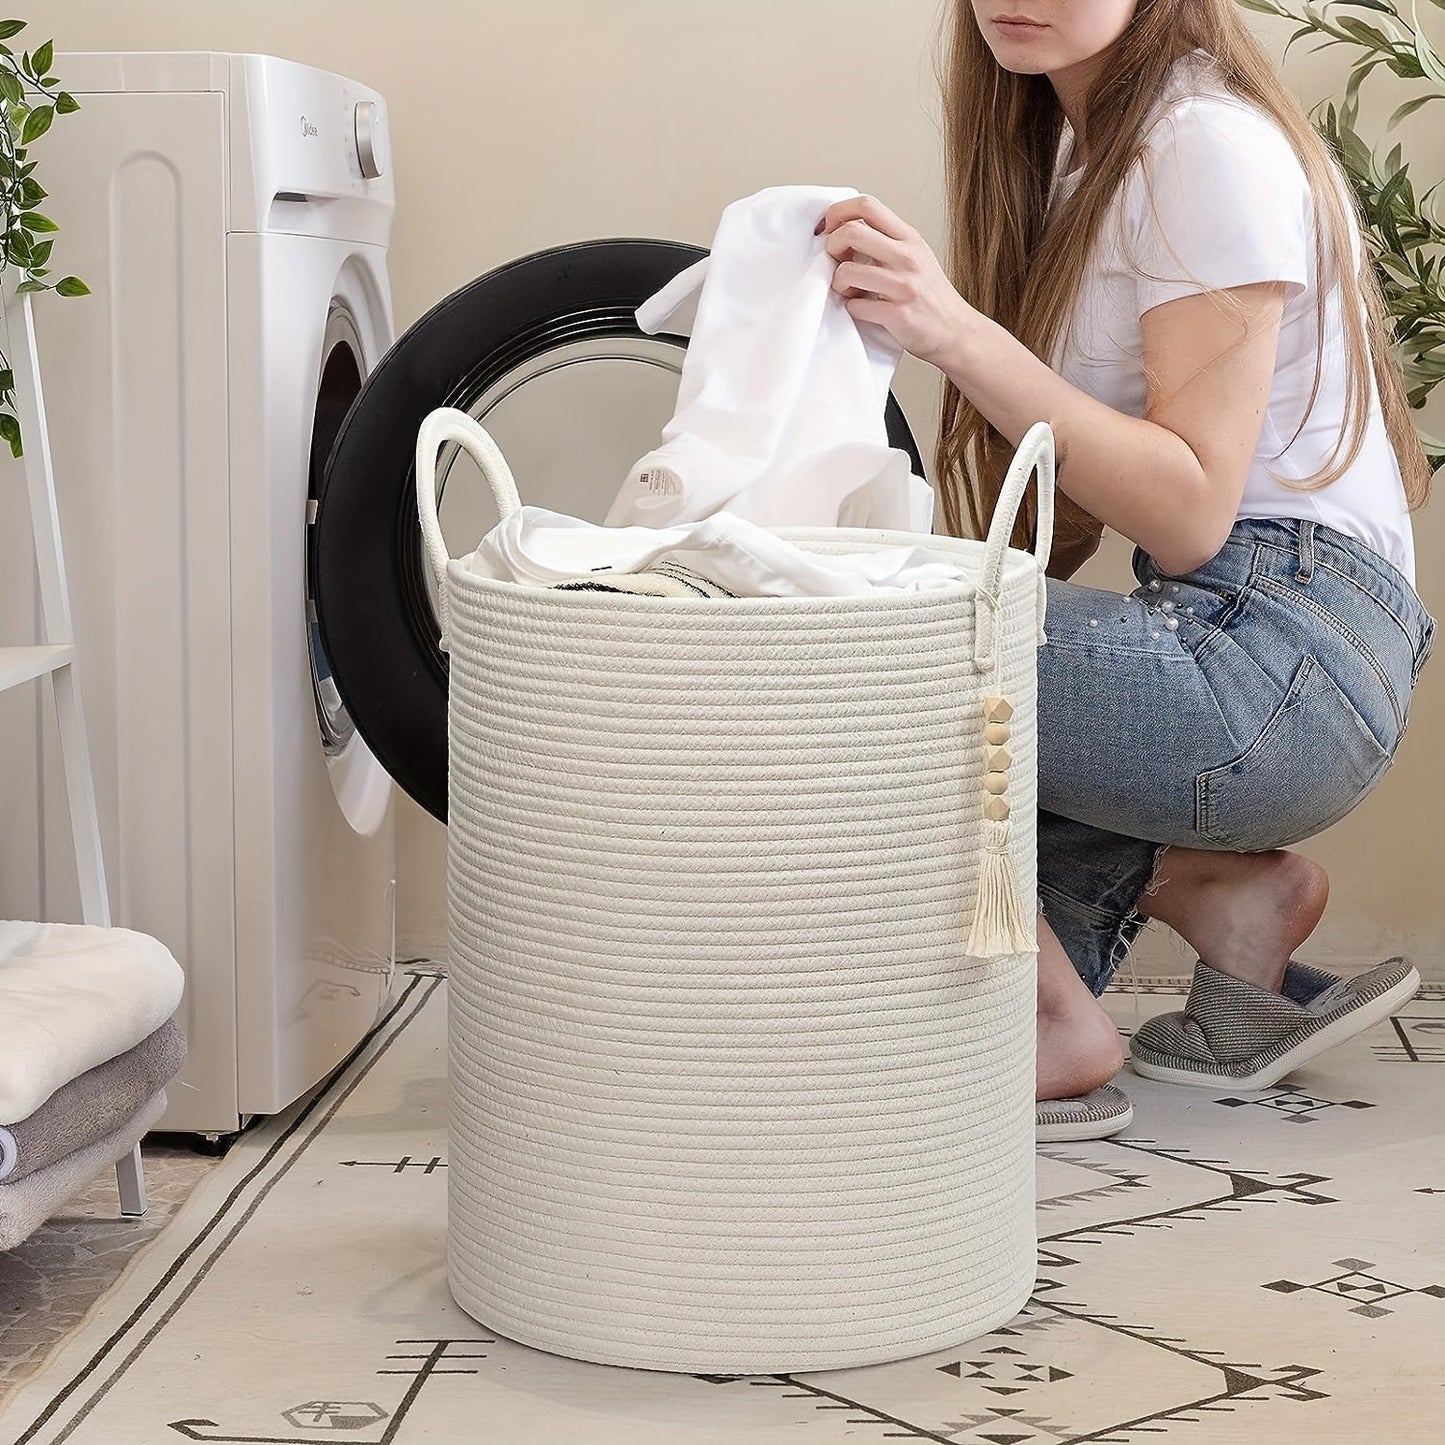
[53, 661]
[25, 664]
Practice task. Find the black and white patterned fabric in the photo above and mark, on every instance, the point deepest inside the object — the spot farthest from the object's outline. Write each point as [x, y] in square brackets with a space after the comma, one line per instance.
[664, 578]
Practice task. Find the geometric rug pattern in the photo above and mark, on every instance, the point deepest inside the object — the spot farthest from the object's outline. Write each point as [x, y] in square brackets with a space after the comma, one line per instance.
[1236, 1267]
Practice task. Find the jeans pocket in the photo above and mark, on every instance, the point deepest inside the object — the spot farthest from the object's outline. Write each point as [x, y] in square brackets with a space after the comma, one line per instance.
[1313, 762]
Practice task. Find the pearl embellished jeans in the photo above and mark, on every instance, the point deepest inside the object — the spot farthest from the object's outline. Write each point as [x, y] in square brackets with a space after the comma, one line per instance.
[1242, 707]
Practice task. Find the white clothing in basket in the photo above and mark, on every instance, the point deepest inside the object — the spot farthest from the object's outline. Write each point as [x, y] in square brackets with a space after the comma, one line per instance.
[539, 547]
[780, 409]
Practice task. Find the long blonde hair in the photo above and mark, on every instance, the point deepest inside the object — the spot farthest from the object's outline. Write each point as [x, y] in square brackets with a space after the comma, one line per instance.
[1001, 138]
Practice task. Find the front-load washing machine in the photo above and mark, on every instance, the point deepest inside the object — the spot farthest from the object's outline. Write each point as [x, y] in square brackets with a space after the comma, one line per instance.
[545, 351]
[231, 215]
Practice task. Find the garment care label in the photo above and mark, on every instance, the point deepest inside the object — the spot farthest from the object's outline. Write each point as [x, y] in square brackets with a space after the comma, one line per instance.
[661, 481]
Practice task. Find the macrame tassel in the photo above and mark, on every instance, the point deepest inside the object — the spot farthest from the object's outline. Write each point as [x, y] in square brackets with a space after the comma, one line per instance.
[1000, 925]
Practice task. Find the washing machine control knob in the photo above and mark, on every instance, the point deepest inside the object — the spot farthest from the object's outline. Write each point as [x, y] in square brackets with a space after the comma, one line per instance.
[369, 141]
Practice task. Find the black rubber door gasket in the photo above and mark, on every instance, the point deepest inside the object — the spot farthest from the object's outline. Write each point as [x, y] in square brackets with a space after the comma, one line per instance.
[374, 610]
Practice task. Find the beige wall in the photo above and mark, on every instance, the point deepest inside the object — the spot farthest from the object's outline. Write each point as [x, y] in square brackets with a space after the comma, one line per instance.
[519, 124]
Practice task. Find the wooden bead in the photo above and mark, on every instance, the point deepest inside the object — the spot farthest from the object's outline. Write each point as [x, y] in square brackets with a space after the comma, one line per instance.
[997, 733]
[996, 810]
[996, 783]
[999, 760]
[997, 709]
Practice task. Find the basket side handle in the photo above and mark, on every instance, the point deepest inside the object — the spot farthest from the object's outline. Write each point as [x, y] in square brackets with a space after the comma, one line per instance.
[448, 424]
[1035, 454]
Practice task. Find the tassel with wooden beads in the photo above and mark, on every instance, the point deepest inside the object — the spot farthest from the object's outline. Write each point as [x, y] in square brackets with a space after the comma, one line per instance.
[999, 922]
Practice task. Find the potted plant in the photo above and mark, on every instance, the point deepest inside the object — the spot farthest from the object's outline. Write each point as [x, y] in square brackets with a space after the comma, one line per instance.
[30, 99]
[1403, 230]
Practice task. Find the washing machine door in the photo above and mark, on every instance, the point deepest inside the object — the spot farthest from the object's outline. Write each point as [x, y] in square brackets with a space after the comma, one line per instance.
[546, 353]
[357, 329]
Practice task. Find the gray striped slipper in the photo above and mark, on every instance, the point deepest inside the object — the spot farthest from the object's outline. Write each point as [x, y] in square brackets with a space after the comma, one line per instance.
[1234, 1035]
[1091, 1116]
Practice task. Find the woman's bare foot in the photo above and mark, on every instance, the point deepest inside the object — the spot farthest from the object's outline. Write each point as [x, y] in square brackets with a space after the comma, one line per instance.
[1079, 1047]
[1245, 914]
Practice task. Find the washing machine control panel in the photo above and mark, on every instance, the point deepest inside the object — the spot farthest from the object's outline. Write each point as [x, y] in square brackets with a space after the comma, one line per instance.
[310, 152]
[370, 139]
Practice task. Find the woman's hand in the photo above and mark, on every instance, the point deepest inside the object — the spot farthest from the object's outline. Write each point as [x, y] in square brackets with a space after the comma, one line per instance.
[888, 275]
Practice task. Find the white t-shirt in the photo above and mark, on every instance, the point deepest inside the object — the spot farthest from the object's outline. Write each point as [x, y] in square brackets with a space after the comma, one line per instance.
[1226, 203]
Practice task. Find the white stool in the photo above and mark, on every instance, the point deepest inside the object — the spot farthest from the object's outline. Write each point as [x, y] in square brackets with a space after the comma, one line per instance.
[52, 662]
[74, 996]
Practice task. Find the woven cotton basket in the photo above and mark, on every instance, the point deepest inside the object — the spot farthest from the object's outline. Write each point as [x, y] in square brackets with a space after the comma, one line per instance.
[742, 1064]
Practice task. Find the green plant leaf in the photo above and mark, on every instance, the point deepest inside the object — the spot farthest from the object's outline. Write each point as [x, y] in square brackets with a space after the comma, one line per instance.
[26, 286]
[10, 27]
[71, 286]
[65, 103]
[34, 221]
[10, 86]
[1397, 184]
[1411, 106]
[28, 192]
[40, 252]
[1298, 35]
[10, 430]
[1430, 61]
[43, 57]
[1367, 34]
[37, 123]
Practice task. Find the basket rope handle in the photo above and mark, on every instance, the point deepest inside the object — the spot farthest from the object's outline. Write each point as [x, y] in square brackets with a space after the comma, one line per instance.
[447, 424]
[1034, 455]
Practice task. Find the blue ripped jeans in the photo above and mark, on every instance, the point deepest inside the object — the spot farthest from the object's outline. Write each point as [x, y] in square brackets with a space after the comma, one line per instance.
[1243, 707]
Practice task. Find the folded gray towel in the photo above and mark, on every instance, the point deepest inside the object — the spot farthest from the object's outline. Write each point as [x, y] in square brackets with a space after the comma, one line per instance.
[26, 1204]
[92, 1106]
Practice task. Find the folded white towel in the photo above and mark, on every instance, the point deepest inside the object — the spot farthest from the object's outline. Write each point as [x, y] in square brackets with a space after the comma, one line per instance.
[542, 548]
[780, 407]
[72, 997]
[25, 1204]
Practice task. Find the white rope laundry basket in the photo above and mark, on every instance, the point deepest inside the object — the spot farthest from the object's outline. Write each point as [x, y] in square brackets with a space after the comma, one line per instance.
[742, 954]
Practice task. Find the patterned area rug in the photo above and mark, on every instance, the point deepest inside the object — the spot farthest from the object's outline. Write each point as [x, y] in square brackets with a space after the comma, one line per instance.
[1261, 1266]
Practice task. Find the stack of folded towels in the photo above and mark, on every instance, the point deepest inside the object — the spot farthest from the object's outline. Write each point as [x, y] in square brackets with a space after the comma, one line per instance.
[87, 1047]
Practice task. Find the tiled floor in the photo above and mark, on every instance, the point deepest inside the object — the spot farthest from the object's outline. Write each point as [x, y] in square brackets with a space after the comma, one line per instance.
[1260, 1267]
[49, 1283]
